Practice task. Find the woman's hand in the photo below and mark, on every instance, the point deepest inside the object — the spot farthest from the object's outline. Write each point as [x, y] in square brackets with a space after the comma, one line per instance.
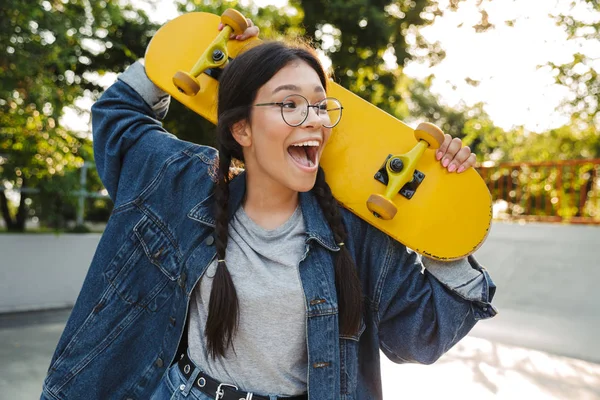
[454, 156]
[251, 31]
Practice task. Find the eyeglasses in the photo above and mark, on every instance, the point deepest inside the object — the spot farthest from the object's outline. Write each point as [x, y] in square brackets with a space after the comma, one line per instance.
[295, 108]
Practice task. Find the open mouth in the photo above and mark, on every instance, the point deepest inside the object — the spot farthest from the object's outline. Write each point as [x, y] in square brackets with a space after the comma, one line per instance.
[305, 153]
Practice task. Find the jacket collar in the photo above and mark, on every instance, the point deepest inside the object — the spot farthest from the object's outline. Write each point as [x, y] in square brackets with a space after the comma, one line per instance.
[317, 228]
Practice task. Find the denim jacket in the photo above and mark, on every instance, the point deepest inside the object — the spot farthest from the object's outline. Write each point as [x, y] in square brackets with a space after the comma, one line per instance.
[125, 327]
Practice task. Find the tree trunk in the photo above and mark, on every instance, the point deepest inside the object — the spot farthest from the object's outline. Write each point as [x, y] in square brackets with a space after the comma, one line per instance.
[6, 212]
[584, 192]
[22, 210]
[16, 224]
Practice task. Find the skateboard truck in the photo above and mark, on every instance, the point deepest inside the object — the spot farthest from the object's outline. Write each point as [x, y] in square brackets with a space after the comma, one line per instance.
[399, 174]
[396, 165]
[214, 57]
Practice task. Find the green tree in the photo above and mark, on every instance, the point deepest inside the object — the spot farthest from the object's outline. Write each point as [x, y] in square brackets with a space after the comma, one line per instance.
[50, 52]
[580, 138]
[580, 75]
[357, 36]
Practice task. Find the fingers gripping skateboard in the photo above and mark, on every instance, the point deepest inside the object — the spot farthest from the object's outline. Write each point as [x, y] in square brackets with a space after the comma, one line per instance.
[215, 56]
[400, 170]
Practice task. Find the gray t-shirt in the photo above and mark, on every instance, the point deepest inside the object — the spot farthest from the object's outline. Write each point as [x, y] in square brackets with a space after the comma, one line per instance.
[270, 344]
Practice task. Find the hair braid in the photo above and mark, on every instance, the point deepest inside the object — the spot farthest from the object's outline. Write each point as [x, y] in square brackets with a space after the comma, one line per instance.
[238, 86]
[347, 284]
[223, 309]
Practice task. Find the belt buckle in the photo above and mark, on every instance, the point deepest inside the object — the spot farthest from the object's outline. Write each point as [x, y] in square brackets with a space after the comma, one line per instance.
[220, 393]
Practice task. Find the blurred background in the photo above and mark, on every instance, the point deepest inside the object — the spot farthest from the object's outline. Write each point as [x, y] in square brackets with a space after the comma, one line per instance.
[517, 80]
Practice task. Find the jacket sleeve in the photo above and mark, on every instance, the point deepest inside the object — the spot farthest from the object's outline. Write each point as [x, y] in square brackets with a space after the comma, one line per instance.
[130, 144]
[423, 307]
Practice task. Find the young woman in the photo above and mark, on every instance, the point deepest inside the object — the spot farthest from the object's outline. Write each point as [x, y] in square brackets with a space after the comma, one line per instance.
[258, 286]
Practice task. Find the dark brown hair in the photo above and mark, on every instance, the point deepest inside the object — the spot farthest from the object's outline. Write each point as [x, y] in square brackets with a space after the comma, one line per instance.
[239, 84]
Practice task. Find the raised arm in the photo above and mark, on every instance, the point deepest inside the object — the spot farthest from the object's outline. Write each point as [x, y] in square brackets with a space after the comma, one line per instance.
[130, 144]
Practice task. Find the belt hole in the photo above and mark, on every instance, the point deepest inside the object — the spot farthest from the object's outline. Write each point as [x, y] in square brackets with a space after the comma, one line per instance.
[186, 369]
[201, 382]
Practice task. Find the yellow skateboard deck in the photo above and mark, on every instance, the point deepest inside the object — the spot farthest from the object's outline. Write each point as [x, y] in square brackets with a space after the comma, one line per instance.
[449, 214]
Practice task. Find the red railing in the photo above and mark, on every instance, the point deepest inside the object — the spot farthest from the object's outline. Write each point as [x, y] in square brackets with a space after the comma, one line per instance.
[555, 191]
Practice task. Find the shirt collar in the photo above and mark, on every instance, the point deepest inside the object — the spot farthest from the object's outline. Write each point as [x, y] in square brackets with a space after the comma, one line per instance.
[317, 228]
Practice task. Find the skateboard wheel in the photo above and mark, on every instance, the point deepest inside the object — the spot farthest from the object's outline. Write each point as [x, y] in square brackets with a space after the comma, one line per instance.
[235, 20]
[429, 133]
[186, 83]
[381, 207]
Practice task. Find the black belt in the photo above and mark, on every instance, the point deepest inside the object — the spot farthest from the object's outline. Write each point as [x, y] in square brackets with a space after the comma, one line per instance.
[221, 391]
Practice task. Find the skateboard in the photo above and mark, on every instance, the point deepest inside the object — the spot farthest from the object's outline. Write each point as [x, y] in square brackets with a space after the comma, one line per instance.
[377, 166]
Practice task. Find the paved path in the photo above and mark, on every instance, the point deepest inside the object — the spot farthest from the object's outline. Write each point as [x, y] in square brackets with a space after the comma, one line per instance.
[481, 369]
[547, 277]
[27, 342]
[476, 368]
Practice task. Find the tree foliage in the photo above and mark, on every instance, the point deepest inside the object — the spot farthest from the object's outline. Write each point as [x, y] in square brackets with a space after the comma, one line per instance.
[50, 52]
[53, 52]
[358, 37]
[580, 75]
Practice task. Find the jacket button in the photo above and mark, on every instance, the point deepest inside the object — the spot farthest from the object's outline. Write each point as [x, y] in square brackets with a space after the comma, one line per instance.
[159, 363]
[209, 240]
[181, 280]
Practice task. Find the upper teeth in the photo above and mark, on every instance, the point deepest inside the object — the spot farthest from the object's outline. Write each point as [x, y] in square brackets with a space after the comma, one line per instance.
[307, 143]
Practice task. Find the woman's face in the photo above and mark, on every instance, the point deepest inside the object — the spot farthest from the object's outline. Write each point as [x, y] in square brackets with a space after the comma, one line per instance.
[279, 154]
